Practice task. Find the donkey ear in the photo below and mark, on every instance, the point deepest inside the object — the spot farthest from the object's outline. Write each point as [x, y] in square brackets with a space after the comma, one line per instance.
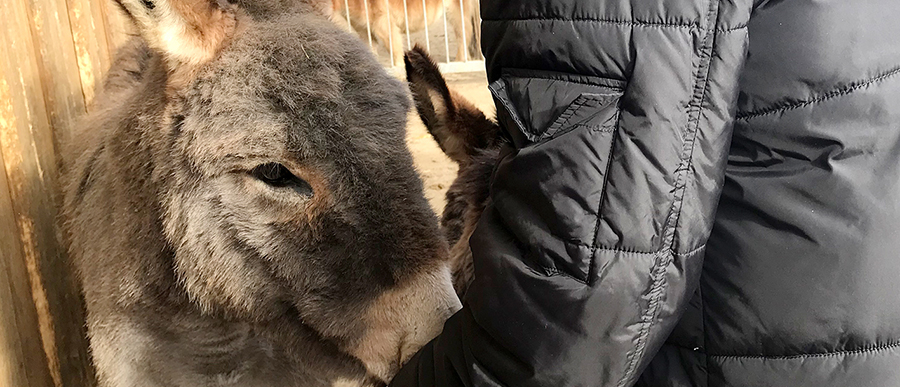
[185, 31]
[433, 101]
[459, 128]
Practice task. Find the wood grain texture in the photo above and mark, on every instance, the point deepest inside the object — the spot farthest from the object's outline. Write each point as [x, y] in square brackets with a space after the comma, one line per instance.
[30, 94]
[88, 32]
[22, 359]
[57, 63]
[17, 114]
[118, 27]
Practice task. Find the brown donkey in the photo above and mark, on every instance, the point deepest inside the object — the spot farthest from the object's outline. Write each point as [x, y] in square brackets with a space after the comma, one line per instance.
[471, 140]
[242, 209]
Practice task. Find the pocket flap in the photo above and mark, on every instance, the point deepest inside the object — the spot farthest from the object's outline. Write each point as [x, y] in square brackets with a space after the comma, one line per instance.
[537, 105]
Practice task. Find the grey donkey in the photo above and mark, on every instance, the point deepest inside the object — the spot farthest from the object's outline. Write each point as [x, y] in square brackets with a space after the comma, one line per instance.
[241, 207]
[470, 139]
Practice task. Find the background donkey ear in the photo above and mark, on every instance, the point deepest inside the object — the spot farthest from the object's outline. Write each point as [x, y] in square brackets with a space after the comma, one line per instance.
[184, 31]
[460, 129]
[433, 101]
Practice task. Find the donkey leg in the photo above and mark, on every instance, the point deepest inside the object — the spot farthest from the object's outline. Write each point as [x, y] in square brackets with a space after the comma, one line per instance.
[473, 21]
[461, 31]
[388, 34]
[397, 41]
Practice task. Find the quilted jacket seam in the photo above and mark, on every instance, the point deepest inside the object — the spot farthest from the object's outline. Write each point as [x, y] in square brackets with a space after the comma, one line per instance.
[603, 190]
[841, 91]
[634, 251]
[553, 271]
[616, 85]
[501, 86]
[618, 22]
[705, 343]
[732, 29]
[560, 124]
[664, 259]
[639, 252]
[623, 22]
[872, 349]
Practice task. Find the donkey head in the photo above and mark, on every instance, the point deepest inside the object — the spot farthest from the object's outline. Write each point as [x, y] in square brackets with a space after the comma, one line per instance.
[471, 140]
[284, 186]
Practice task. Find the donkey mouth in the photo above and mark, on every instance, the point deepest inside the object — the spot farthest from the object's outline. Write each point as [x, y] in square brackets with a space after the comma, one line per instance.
[402, 320]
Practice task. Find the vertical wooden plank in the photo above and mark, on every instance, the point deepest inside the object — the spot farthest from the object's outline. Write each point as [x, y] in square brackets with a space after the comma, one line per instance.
[12, 41]
[57, 64]
[22, 108]
[88, 31]
[118, 28]
[22, 359]
[26, 145]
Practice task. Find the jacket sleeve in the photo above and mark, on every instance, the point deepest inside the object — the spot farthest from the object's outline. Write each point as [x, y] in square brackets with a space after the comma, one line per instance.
[620, 116]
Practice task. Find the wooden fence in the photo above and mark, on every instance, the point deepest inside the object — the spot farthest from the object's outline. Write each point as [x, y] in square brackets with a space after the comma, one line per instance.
[52, 52]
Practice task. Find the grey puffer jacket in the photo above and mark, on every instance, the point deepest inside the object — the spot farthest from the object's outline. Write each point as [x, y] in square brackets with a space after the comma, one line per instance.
[702, 193]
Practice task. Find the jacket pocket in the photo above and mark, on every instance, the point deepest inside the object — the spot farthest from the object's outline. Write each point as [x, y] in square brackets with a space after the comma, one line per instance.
[549, 189]
[536, 105]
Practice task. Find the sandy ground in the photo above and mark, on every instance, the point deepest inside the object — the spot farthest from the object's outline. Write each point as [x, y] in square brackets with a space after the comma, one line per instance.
[436, 169]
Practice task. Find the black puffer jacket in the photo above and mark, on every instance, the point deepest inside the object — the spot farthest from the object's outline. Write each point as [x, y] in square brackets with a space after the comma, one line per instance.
[703, 193]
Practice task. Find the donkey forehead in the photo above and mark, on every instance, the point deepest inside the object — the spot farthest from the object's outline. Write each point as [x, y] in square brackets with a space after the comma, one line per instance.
[264, 126]
[302, 93]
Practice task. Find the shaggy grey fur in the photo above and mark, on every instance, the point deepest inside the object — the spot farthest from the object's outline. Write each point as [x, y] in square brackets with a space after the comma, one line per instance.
[196, 269]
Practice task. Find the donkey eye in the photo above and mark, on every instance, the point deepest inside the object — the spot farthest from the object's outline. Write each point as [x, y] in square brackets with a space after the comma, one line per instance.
[277, 176]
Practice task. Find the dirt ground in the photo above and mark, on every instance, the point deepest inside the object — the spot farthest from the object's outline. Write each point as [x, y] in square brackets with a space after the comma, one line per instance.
[436, 169]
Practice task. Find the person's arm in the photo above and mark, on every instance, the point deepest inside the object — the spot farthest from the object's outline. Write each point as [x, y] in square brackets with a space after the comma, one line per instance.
[621, 116]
